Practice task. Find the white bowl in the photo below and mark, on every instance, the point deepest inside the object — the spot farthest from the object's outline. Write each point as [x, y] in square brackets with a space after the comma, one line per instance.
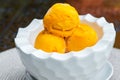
[80, 65]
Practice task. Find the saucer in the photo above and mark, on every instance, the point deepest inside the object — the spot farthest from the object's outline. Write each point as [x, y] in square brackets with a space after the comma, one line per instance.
[104, 74]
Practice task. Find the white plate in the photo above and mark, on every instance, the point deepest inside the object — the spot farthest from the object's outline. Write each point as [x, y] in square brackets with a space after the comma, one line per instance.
[105, 73]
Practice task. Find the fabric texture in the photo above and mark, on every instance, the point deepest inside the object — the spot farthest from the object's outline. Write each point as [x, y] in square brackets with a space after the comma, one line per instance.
[11, 67]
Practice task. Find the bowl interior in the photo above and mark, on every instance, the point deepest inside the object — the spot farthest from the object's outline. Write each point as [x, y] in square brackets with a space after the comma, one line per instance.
[96, 27]
[34, 33]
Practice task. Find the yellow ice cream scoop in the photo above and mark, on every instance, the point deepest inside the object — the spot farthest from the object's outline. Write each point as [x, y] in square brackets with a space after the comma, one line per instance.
[83, 36]
[61, 19]
[50, 43]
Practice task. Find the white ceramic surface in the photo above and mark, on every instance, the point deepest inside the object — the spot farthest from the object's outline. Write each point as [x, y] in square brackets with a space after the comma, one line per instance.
[81, 65]
[105, 73]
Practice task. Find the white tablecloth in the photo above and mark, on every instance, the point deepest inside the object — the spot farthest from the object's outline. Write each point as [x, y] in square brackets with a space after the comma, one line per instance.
[11, 67]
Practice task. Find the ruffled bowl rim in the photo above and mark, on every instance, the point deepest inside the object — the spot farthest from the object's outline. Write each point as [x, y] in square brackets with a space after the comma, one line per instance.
[22, 42]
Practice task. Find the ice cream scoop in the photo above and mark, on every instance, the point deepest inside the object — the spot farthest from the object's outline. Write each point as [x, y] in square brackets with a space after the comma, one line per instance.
[61, 19]
[83, 36]
[50, 43]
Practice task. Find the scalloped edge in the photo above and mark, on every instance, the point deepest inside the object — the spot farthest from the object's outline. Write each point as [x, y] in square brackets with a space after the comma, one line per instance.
[37, 22]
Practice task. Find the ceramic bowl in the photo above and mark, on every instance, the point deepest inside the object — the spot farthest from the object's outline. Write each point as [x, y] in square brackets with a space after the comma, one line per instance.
[80, 65]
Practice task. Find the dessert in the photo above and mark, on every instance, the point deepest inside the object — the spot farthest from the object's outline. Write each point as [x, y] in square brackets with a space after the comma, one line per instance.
[50, 43]
[63, 21]
[83, 36]
[85, 64]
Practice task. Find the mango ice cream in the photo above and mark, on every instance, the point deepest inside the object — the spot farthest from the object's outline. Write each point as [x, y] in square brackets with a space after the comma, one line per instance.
[50, 43]
[61, 19]
[63, 31]
[83, 36]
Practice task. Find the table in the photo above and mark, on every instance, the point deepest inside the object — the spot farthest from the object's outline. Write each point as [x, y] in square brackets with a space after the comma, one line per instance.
[11, 67]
